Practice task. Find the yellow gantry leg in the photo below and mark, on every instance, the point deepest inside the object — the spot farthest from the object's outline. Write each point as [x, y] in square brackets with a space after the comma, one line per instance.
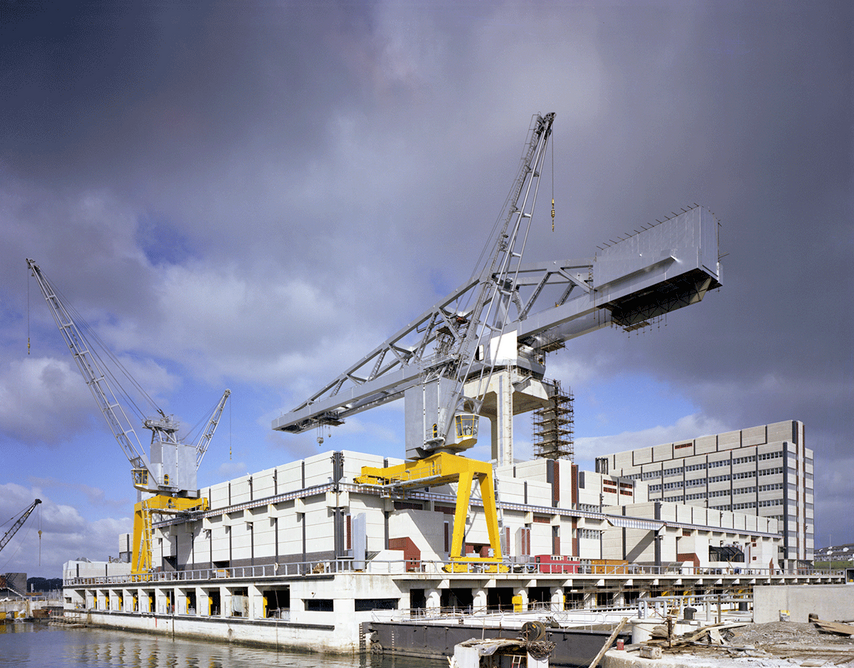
[439, 469]
[142, 511]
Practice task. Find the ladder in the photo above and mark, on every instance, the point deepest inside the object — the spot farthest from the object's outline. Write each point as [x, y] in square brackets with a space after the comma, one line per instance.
[499, 512]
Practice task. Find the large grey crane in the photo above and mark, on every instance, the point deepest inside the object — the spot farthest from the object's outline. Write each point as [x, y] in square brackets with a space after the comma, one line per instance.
[443, 362]
[170, 473]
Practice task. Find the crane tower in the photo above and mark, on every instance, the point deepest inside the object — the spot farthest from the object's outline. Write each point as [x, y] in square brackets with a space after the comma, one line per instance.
[481, 351]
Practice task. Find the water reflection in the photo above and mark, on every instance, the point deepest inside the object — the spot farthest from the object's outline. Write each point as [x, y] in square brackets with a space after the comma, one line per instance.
[39, 645]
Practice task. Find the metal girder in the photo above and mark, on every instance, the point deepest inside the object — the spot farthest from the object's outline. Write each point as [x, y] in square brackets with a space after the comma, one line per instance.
[18, 524]
[662, 268]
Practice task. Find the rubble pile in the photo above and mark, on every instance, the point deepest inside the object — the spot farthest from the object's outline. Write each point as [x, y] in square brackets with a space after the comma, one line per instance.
[817, 643]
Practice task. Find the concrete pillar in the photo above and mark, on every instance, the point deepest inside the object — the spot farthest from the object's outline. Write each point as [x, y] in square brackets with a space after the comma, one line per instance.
[522, 592]
[225, 603]
[203, 602]
[479, 600]
[257, 609]
[434, 600]
[590, 599]
[618, 599]
[502, 425]
[557, 599]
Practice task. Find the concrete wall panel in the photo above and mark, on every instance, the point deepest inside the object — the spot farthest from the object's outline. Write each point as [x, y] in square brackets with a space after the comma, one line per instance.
[662, 452]
[754, 436]
[829, 602]
[705, 444]
[729, 440]
[642, 456]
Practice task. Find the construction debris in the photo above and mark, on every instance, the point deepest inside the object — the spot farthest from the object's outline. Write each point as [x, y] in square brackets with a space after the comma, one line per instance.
[818, 643]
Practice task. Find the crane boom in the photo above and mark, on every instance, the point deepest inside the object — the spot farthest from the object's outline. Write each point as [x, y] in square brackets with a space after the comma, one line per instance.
[204, 441]
[438, 350]
[97, 382]
[664, 267]
[18, 524]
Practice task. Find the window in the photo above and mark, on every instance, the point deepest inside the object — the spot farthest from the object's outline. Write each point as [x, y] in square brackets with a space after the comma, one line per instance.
[318, 604]
[367, 604]
[591, 534]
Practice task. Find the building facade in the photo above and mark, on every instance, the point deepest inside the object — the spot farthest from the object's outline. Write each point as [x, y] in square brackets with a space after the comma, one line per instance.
[765, 471]
[303, 555]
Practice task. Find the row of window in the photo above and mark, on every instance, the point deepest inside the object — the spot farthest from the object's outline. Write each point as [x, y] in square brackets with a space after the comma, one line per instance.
[648, 475]
[589, 533]
[724, 492]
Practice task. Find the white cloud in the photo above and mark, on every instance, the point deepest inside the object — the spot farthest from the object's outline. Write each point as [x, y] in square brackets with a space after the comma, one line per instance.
[38, 394]
[690, 426]
[65, 534]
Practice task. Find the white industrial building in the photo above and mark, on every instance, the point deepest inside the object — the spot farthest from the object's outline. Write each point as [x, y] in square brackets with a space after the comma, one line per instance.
[765, 471]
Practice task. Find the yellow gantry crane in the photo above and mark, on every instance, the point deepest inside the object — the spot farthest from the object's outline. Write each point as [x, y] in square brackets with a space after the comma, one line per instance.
[168, 478]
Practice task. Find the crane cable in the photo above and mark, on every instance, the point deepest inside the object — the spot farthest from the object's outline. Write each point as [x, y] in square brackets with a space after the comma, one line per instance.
[553, 181]
[107, 369]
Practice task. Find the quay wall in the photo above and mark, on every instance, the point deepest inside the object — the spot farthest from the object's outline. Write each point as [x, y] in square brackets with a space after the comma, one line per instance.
[829, 602]
[271, 633]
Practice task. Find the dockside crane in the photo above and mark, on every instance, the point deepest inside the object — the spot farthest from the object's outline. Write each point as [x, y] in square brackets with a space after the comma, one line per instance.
[18, 524]
[169, 475]
[500, 325]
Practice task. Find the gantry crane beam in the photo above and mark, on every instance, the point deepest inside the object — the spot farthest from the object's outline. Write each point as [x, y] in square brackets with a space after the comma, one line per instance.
[665, 267]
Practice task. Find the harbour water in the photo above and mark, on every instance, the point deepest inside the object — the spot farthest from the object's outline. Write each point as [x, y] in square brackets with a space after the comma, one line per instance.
[42, 646]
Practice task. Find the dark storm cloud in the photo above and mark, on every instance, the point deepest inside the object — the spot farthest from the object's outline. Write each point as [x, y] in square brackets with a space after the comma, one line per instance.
[298, 180]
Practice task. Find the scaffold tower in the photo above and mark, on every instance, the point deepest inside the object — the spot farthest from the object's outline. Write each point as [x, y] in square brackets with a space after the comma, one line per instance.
[554, 427]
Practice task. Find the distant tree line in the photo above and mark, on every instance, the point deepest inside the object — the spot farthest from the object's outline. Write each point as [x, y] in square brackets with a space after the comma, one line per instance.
[43, 584]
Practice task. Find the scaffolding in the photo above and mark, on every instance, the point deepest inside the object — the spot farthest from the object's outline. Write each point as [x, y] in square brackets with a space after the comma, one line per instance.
[554, 426]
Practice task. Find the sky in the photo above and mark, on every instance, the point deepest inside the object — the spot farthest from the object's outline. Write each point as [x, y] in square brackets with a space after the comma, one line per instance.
[253, 195]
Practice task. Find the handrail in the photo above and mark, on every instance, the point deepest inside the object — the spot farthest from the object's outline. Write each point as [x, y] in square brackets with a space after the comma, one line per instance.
[414, 567]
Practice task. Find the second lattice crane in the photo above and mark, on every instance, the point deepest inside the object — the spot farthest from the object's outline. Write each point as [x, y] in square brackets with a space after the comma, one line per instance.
[170, 472]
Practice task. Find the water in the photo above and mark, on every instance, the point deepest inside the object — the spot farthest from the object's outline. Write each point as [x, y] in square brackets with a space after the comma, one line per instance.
[43, 646]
